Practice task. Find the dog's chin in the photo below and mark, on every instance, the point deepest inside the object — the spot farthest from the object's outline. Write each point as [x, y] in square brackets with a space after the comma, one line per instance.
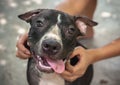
[42, 64]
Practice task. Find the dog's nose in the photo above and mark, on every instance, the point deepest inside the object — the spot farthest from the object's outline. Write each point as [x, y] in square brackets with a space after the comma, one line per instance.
[51, 46]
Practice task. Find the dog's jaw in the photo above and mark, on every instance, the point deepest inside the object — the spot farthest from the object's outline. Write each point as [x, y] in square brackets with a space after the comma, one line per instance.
[48, 65]
[42, 64]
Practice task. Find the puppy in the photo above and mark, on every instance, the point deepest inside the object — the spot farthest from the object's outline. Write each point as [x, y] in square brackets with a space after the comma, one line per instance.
[51, 38]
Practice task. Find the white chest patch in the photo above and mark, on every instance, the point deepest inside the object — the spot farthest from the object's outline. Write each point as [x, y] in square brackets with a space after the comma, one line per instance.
[51, 79]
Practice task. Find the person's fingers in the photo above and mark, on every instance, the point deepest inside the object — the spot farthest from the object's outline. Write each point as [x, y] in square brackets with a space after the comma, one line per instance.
[22, 55]
[74, 69]
[69, 67]
[66, 73]
[70, 79]
[77, 51]
[74, 53]
[23, 38]
[68, 76]
[20, 44]
[79, 68]
[22, 51]
[22, 48]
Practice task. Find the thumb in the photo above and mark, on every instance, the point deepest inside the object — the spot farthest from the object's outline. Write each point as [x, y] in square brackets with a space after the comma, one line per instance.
[75, 58]
[78, 51]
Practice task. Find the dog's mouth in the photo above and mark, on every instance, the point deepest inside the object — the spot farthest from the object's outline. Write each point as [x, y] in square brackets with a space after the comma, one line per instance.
[46, 64]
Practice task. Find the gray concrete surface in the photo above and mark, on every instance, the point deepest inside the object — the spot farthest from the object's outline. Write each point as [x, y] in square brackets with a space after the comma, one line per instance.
[13, 70]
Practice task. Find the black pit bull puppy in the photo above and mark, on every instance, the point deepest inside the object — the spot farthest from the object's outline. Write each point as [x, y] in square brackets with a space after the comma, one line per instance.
[52, 37]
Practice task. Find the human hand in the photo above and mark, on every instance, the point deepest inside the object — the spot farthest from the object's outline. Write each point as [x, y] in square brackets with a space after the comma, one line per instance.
[73, 72]
[22, 51]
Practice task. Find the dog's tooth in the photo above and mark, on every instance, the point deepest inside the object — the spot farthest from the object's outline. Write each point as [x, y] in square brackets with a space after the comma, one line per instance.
[40, 63]
[46, 67]
[38, 57]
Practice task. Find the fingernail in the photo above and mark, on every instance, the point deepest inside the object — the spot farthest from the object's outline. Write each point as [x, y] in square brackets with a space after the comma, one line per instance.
[27, 52]
[68, 60]
[77, 47]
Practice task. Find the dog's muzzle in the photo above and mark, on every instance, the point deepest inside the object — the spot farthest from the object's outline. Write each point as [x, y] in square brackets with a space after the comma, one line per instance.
[46, 64]
[51, 47]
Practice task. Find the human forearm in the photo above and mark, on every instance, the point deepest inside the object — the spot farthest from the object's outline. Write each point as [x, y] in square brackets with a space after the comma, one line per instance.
[108, 51]
[72, 7]
[79, 7]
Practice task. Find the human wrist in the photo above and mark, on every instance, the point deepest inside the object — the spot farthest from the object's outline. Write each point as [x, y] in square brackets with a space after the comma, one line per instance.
[94, 55]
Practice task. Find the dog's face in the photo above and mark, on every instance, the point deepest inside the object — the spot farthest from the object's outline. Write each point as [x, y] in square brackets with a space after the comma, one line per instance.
[52, 36]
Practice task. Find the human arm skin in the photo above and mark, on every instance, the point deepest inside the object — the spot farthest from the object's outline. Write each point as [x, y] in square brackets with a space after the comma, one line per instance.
[107, 51]
[22, 51]
[89, 56]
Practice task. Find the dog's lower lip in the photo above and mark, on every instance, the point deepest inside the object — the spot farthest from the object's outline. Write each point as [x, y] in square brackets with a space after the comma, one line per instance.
[42, 64]
[42, 61]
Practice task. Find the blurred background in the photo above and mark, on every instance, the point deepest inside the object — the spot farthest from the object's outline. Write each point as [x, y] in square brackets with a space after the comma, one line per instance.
[13, 69]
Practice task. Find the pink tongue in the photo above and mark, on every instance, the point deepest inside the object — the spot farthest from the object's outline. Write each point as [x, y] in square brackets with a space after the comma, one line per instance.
[57, 65]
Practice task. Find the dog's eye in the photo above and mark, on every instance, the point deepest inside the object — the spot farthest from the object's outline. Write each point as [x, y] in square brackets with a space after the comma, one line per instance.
[39, 23]
[71, 30]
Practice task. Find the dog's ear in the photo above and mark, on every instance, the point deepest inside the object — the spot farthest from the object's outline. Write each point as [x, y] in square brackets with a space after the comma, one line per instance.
[28, 15]
[83, 22]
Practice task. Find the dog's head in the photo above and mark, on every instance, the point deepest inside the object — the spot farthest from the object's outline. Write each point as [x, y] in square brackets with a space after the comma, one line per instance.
[53, 35]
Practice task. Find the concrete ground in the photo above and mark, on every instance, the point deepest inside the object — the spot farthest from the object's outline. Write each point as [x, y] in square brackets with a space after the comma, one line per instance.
[13, 70]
